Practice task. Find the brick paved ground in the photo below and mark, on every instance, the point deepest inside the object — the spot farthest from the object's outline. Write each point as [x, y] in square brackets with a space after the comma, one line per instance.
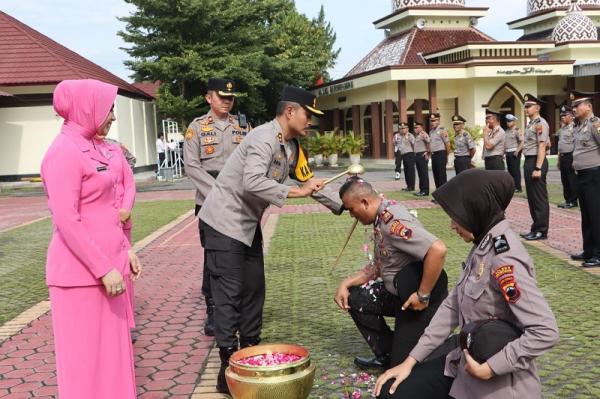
[171, 350]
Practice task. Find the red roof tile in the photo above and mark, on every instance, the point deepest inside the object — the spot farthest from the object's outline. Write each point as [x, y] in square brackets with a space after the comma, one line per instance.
[150, 88]
[406, 48]
[28, 57]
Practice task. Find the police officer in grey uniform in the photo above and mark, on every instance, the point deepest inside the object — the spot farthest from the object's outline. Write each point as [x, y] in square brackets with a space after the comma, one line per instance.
[586, 161]
[209, 141]
[252, 179]
[464, 146]
[397, 155]
[497, 282]
[535, 169]
[566, 145]
[407, 155]
[493, 141]
[404, 280]
[422, 154]
[440, 148]
[514, 147]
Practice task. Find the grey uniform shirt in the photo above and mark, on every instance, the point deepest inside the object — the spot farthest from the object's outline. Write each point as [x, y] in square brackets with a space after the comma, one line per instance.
[483, 292]
[537, 131]
[131, 160]
[496, 137]
[439, 139]
[252, 179]
[566, 139]
[208, 144]
[514, 137]
[587, 144]
[422, 142]
[407, 143]
[399, 239]
[463, 142]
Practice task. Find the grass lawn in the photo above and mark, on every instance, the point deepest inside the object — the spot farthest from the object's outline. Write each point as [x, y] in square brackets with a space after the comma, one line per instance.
[300, 309]
[23, 254]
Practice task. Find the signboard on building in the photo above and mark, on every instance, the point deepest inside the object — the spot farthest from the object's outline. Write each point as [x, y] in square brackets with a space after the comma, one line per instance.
[338, 88]
[525, 71]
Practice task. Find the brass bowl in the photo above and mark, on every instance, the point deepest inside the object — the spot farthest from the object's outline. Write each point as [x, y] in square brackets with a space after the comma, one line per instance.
[290, 381]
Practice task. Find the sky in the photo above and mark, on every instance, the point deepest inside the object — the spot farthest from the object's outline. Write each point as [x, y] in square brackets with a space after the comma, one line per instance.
[89, 27]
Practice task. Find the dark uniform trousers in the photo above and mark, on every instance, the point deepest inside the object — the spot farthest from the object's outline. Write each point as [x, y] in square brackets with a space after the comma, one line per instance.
[408, 161]
[568, 177]
[462, 163]
[537, 195]
[237, 285]
[494, 162]
[589, 194]
[439, 159]
[422, 169]
[369, 305]
[398, 158]
[513, 164]
[427, 380]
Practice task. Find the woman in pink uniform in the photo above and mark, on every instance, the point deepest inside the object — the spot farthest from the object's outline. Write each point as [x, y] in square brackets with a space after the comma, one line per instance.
[112, 150]
[89, 256]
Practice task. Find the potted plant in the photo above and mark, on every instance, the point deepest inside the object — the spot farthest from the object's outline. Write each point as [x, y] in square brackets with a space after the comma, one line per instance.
[315, 144]
[332, 145]
[353, 146]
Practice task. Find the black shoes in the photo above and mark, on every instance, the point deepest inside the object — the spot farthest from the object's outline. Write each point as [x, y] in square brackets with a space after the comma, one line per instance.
[421, 194]
[582, 256]
[568, 205]
[434, 201]
[518, 190]
[248, 342]
[397, 176]
[209, 323]
[224, 353]
[365, 363]
[534, 236]
[592, 262]
[408, 189]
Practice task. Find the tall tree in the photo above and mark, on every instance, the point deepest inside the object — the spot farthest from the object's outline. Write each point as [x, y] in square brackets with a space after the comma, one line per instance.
[261, 44]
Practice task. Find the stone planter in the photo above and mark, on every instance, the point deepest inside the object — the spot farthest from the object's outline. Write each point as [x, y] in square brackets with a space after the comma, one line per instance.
[319, 159]
[355, 159]
[333, 160]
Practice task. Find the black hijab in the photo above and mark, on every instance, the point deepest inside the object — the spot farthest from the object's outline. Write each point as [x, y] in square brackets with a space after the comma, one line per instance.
[476, 199]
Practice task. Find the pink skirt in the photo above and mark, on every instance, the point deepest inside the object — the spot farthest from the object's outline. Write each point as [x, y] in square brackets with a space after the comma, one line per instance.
[94, 355]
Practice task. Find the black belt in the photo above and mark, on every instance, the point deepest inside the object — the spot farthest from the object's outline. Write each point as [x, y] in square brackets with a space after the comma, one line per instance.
[566, 153]
[530, 156]
[588, 170]
[435, 152]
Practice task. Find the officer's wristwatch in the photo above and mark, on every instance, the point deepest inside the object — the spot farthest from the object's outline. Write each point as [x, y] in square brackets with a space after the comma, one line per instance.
[423, 298]
[537, 169]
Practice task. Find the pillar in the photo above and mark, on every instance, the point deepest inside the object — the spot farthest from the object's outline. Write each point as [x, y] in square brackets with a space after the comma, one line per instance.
[376, 129]
[402, 103]
[389, 129]
[356, 125]
[433, 100]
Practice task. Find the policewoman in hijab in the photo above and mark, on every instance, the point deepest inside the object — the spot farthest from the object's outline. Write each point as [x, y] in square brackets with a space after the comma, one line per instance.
[89, 256]
[497, 293]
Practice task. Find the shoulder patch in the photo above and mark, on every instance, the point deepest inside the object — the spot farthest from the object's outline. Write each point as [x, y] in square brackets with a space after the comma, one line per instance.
[386, 216]
[485, 242]
[398, 229]
[189, 133]
[505, 277]
[501, 244]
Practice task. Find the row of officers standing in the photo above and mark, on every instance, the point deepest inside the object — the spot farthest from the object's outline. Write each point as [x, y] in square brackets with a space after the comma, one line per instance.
[578, 160]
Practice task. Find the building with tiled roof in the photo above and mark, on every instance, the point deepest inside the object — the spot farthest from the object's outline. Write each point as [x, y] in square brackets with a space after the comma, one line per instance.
[433, 58]
[31, 65]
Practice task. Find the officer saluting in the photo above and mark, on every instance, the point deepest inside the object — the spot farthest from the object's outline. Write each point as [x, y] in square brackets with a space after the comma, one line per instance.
[440, 148]
[422, 143]
[464, 146]
[586, 161]
[537, 138]
[566, 145]
[253, 178]
[209, 141]
[493, 141]
[514, 147]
